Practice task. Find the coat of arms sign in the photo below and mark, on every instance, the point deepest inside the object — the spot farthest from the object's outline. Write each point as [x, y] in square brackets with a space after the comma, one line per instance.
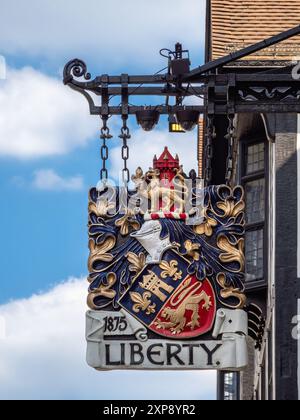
[166, 273]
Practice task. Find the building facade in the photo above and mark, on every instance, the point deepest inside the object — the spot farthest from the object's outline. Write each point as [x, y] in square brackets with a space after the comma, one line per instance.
[267, 164]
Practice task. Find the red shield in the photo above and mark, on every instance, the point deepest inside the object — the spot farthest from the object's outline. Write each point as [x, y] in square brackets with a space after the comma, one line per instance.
[190, 311]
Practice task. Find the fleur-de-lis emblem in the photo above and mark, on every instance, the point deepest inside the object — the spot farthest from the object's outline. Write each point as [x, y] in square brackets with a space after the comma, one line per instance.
[170, 270]
[137, 262]
[142, 303]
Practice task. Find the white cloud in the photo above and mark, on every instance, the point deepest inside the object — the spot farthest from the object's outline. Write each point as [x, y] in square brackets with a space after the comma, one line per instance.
[49, 180]
[144, 145]
[2, 328]
[43, 356]
[111, 32]
[39, 116]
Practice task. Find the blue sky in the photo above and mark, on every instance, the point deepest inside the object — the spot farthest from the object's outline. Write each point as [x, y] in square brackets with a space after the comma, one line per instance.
[49, 150]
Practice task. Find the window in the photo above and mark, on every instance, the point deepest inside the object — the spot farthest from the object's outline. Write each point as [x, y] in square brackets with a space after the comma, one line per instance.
[231, 386]
[255, 156]
[253, 179]
[254, 254]
[228, 386]
[255, 199]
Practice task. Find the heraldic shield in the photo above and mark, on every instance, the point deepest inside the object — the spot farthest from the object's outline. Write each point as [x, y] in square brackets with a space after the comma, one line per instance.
[169, 300]
[166, 266]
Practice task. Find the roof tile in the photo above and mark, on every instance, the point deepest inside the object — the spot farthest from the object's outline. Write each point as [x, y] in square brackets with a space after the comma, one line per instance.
[236, 24]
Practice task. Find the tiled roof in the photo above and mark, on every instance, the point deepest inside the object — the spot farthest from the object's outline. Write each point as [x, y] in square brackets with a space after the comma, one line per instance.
[238, 23]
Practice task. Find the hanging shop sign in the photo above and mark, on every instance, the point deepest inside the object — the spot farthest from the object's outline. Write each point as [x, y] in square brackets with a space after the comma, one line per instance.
[166, 271]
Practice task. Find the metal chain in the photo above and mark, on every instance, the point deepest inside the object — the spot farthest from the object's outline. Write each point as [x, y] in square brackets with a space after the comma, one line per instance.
[210, 135]
[125, 136]
[231, 141]
[105, 135]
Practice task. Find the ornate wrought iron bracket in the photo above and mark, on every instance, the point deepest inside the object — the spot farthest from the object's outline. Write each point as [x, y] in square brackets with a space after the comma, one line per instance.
[225, 90]
[165, 85]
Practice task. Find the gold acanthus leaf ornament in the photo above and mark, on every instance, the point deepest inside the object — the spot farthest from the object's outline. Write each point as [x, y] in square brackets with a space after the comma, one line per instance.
[192, 250]
[230, 208]
[100, 252]
[103, 290]
[231, 292]
[206, 228]
[126, 222]
[101, 208]
[233, 253]
[137, 262]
